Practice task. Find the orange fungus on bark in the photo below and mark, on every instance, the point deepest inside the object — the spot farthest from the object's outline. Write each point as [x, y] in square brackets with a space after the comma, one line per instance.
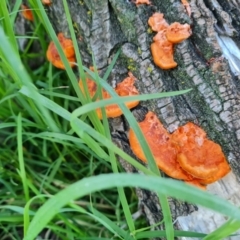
[27, 12]
[162, 148]
[68, 49]
[139, 2]
[157, 22]
[177, 32]
[162, 46]
[124, 88]
[186, 154]
[47, 2]
[162, 51]
[198, 155]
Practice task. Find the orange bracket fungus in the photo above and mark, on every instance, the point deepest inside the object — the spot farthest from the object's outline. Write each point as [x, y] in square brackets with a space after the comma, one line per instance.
[46, 2]
[68, 49]
[162, 46]
[27, 12]
[125, 88]
[162, 51]
[139, 2]
[157, 22]
[186, 154]
[199, 156]
[162, 148]
[177, 32]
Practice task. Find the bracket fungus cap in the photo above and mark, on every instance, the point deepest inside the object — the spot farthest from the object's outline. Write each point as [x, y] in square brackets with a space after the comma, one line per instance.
[124, 88]
[47, 2]
[223, 170]
[68, 49]
[139, 2]
[27, 12]
[177, 32]
[199, 156]
[157, 22]
[127, 88]
[186, 154]
[162, 53]
[159, 141]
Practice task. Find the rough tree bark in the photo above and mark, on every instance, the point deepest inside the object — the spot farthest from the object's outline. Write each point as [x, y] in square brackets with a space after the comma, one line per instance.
[102, 27]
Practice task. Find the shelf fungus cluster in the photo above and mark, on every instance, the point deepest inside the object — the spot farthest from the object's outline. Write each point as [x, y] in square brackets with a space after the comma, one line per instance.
[163, 42]
[68, 49]
[123, 89]
[186, 154]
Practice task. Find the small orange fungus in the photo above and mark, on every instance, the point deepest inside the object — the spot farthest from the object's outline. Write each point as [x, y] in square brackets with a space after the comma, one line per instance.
[162, 46]
[139, 2]
[159, 141]
[157, 22]
[186, 154]
[47, 2]
[27, 12]
[162, 53]
[125, 88]
[177, 32]
[68, 49]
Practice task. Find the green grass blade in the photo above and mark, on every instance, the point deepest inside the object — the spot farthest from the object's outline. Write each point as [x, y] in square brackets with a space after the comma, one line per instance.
[22, 171]
[112, 157]
[21, 77]
[111, 226]
[89, 185]
[110, 67]
[11, 56]
[45, 102]
[225, 230]
[16, 209]
[157, 234]
[27, 212]
[15, 11]
[118, 100]
[8, 26]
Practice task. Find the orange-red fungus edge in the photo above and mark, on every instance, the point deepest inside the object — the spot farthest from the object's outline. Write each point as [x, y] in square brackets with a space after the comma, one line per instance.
[124, 88]
[68, 49]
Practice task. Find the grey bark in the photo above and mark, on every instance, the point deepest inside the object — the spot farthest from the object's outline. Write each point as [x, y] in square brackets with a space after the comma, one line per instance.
[102, 27]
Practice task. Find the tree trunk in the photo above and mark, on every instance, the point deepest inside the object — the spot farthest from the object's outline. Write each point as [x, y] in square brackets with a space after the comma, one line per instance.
[102, 27]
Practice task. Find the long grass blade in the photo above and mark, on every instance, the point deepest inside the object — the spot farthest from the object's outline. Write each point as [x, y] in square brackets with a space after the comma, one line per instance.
[229, 227]
[22, 171]
[89, 185]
